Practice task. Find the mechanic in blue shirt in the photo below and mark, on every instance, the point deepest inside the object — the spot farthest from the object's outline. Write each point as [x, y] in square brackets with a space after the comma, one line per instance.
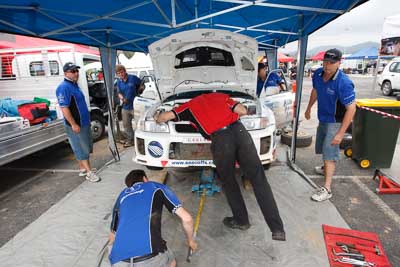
[77, 119]
[136, 223]
[336, 108]
[273, 79]
[128, 86]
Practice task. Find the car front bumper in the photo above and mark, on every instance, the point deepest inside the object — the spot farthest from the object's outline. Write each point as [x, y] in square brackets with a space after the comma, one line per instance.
[191, 149]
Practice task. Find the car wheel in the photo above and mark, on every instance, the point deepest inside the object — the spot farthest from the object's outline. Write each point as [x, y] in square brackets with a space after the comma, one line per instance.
[347, 141]
[153, 168]
[303, 139]
[386, 88]
[97, 127]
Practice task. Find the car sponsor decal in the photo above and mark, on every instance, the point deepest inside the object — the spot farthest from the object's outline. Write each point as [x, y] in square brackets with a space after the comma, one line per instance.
[155, 149]
[199, 162]
[164, 163]
[197, 139]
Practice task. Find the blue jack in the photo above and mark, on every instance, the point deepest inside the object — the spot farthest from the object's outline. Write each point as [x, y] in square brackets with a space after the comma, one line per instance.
[207, 182]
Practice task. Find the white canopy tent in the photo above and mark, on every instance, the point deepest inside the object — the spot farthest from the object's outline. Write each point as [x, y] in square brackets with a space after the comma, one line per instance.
[390, 41]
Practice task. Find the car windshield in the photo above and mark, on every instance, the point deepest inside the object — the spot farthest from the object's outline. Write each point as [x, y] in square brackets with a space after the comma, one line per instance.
[193, 94]
[203, 56]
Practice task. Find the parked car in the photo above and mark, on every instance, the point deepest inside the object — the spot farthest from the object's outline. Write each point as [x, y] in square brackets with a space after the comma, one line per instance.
[389, 80]
[196, 62]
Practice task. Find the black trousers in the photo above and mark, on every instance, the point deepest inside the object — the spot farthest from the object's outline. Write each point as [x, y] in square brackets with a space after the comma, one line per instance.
[235, 144]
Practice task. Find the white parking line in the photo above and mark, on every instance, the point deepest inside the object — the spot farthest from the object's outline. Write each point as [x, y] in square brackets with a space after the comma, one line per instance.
[39, 170]
[377, 201]
[23, 184]
[342, 176]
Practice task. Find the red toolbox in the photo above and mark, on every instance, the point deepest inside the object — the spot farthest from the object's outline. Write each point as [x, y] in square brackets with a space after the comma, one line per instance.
[362, 246]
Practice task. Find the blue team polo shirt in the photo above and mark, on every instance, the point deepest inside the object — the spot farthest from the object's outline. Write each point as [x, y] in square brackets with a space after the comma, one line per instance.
[333, 95]
[273, 79]
[70, 95]
[137, 220]
[128, 90]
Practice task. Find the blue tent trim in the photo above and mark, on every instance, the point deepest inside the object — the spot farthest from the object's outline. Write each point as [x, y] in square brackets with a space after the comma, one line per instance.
[365, 53]
[133, 25]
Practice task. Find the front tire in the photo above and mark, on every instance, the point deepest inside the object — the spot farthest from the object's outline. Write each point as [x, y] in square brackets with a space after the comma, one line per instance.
[97, 126]
[386, 88]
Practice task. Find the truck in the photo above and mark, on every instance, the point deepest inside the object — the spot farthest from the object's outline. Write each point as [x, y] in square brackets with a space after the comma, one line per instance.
[36, 72]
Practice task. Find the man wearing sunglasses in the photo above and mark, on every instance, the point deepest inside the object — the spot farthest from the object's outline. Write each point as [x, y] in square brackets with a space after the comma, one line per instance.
[335, 94]
[76, 119]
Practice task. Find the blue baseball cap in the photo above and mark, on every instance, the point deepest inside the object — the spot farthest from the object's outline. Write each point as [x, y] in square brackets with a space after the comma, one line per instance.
[70, 66]
[333, 55]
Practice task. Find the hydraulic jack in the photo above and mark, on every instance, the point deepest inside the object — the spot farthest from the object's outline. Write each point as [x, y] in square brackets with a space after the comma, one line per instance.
[207, 183]
[206, 187]
[386, 184]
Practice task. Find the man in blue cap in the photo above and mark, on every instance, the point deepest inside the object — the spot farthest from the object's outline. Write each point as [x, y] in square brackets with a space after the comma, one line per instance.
[76, 119]
[336, 108]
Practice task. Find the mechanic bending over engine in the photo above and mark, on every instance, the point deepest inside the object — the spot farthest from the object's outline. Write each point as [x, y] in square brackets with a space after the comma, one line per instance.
[216, 116]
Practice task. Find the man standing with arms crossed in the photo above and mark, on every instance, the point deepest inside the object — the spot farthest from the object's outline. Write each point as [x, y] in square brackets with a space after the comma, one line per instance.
[77, 120]
[128, 87]
[336, 108]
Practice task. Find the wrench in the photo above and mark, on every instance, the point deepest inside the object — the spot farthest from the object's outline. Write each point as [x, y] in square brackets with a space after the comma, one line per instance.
[355, 262]
[360, 257]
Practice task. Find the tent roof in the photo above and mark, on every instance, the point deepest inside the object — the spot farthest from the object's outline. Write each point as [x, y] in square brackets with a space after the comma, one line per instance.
[318, 56]
[284, 58]
[365, 53]
[133, 25]
[19, 41]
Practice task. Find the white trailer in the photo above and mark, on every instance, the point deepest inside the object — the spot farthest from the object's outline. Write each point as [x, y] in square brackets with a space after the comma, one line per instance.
[36, 72]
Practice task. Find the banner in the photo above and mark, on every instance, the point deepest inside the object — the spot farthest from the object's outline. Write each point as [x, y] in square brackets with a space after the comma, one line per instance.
[390, 42]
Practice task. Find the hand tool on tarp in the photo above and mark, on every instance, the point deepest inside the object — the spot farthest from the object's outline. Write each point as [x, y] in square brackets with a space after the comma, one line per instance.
[357, 256]
[375, 249]
[354, 262]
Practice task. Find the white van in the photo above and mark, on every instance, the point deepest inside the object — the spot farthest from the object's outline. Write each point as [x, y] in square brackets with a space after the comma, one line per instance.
[36, 72]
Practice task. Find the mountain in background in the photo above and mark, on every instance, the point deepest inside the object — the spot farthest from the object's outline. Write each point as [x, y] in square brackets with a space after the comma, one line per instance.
[344, 49]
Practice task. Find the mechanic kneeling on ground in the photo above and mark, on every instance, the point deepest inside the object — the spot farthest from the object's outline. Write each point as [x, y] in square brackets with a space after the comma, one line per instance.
[136, 224]
[216, 116]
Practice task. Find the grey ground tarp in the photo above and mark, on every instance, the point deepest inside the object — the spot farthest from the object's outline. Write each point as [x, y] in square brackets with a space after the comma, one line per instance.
[73, 231]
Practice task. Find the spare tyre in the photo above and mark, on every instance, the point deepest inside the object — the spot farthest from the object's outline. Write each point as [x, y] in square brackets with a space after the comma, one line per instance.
[303, 139]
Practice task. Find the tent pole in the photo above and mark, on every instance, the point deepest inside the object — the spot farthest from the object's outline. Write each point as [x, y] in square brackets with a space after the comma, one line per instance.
[378, 62]
[173, 14]
[108, 58]
[301, 57]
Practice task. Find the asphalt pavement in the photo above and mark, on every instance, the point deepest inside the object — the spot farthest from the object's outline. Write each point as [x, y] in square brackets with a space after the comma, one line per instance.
[353, 188]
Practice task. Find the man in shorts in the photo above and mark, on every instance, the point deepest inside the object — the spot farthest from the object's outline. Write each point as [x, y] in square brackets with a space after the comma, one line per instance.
[336, 108]
[76, 120]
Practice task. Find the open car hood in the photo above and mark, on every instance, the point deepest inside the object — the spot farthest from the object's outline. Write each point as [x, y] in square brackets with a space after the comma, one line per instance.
[205, 59]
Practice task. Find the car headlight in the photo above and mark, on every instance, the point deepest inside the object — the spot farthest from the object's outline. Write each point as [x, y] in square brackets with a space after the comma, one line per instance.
[152, 126]
[255, 123]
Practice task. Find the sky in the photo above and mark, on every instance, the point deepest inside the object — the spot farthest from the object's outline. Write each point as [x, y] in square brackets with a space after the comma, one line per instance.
[361, 24]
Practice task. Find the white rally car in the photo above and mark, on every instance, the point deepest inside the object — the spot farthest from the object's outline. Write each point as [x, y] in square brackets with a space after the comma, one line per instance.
[194, 62]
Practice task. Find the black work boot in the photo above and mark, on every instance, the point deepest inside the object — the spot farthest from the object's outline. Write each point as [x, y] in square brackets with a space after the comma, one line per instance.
[232, 223]
[279, 236]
